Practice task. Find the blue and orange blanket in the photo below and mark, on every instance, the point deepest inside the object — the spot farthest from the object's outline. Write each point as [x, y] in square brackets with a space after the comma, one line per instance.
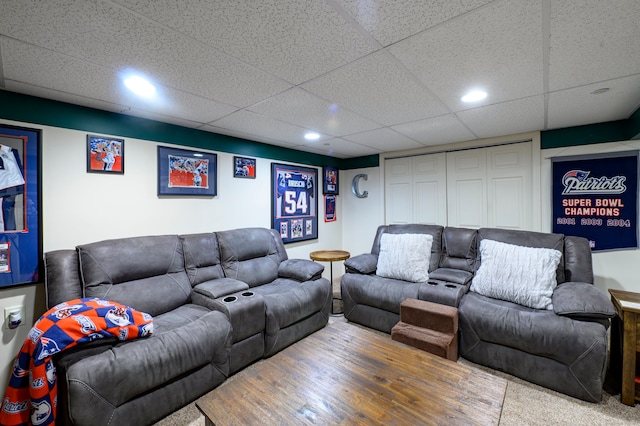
[31, 395]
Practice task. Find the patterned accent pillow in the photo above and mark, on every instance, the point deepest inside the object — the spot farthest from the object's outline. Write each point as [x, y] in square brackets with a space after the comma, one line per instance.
[522, 275]
[405, 257]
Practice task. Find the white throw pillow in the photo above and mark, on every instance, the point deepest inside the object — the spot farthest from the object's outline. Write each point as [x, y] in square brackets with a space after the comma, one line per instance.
[405, 257]
[522, 275]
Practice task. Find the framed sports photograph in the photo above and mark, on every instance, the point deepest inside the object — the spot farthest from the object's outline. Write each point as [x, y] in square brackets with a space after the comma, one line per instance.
[105, 155]
[294, 202]
[244, 167]
[330, 179]
[186, 172]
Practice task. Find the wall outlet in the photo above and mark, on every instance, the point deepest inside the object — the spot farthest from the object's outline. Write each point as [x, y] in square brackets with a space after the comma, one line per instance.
[7, 316]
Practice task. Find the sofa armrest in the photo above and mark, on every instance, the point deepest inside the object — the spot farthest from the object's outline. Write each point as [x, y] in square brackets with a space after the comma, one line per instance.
[362, 264]
[219, 287]
[581, 300]
[300, 269]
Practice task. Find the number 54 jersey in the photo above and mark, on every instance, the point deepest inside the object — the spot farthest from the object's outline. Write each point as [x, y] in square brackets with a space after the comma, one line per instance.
[294, 193]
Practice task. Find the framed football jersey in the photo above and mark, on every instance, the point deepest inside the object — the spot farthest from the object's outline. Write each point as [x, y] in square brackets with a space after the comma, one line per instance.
[21, 201]
[294, 202]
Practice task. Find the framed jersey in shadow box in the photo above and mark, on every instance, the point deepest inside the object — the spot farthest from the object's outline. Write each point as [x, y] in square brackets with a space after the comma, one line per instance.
[20, 196]
[294, 202]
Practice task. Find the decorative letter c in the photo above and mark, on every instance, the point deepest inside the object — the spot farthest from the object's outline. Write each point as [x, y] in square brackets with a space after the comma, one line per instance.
[354, 186]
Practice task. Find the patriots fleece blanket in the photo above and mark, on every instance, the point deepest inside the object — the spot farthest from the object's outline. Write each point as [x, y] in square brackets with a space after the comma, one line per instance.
[31, 395]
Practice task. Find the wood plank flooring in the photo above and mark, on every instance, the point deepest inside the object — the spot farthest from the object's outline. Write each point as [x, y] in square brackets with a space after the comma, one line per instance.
[347, 375]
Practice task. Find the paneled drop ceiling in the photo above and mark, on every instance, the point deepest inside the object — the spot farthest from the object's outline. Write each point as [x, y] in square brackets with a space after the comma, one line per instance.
[368, 76]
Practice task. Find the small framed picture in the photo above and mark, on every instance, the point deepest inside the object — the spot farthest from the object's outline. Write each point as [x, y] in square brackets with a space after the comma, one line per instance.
[186, 172]
[329, 208]
[330, 175]
[105, 155]
[244, 167]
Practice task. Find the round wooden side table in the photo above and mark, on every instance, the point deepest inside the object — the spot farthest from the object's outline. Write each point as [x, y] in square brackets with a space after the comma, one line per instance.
[331, 256]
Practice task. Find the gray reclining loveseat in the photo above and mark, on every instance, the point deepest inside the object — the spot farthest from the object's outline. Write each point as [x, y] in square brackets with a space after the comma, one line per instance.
[220, 301]
[563, 346]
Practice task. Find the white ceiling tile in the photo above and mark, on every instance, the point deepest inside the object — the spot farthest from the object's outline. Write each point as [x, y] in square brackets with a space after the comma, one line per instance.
[296, 40]
[593, 40]
[213, 58]
[497, 48]
[150, 115]
[35, 66]
[345, 147]
[97, 104]
[391, 20]
[252, 123]
[436, 131]
[106, 34]
[320, 151]
[577, 106]
[378, 88]
[247, 136]
[302, 108]
[383, 138]
[44, 68]
[338, 147]
[520, 116]
[27, 89]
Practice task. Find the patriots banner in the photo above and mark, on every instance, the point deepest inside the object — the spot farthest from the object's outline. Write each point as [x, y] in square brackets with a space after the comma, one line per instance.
[596, 197]
[294, 206]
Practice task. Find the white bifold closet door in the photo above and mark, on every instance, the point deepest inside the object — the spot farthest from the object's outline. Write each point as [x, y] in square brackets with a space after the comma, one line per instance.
[416, 189]
[482, 187]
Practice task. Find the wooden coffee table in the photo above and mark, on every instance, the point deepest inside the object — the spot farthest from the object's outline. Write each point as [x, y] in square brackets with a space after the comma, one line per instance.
[345, 374]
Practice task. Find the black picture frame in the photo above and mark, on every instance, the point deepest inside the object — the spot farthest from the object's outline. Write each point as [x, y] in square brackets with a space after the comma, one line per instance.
[244, 167]
[185, 172]
[330, 214]
[105, 155]
[294, 202]
[330, 181]
[21, 233]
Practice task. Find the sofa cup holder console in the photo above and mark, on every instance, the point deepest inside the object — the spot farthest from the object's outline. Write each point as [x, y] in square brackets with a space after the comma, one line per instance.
[436, 283]
[443, 292]
[241, 306]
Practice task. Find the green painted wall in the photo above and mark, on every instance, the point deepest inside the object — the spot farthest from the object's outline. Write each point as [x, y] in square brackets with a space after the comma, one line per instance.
[620, 130]
[30, 109]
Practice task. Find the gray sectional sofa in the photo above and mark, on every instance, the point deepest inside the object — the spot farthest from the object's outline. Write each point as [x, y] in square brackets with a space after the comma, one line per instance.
[562, 345]
[220, 301]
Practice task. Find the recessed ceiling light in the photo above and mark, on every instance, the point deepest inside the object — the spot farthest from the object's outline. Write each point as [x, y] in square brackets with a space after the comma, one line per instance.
[140, 86]
[474, 96]
[312, 136]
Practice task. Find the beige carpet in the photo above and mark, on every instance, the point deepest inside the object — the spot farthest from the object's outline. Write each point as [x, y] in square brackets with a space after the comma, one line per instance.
[524, 404]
